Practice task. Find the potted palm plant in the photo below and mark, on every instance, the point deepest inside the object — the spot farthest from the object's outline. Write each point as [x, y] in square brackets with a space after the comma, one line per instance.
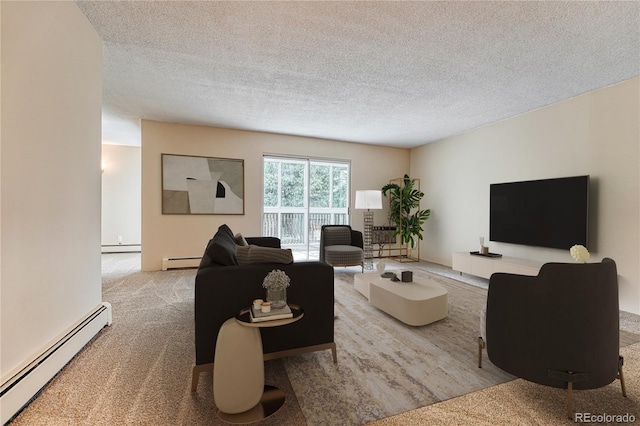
[404, 209]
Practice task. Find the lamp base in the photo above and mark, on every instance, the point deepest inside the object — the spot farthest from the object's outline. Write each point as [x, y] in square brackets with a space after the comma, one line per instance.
[367, 237]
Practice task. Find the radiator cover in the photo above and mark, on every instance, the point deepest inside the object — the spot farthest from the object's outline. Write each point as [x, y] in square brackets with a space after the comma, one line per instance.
[18, 390]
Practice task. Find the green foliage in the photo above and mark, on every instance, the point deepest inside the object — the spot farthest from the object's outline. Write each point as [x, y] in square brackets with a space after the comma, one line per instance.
[271, 184]
[284, 184]
[340, 180]
[292, 185]
[402, 201]
[319, 184]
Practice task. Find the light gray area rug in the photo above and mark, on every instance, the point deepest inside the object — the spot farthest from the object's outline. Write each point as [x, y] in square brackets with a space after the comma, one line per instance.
[386, 367]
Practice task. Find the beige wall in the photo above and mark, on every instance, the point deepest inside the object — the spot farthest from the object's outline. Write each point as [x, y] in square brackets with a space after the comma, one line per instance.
[50, 175]
[187, 235]
[121, 194]
[596, 134]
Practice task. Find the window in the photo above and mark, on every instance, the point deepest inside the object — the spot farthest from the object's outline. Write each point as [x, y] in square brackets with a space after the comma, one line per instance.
[301, 195]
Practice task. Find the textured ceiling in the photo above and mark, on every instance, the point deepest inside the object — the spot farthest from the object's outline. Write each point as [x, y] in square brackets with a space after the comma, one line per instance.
[390, 73]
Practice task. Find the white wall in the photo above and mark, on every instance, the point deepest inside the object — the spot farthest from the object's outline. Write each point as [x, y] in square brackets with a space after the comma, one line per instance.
[187, 235]
[50, 175]
[121, 195]
[596, 134]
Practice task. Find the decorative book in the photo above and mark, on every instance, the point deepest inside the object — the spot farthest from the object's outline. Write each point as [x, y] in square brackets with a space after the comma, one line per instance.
[276, 313]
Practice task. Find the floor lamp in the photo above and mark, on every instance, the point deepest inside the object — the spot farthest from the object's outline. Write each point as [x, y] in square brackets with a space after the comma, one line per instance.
[368, 199]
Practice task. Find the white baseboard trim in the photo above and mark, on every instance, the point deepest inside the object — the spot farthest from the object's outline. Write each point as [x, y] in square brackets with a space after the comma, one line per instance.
[180, 262]
[19, 389]
[122, 248]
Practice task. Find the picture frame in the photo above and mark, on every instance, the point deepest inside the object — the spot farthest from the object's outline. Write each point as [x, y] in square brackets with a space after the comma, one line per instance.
[202, 185]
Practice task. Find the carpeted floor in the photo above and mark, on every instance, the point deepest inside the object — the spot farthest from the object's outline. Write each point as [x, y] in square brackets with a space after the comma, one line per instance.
[524, 403]
[138, 371]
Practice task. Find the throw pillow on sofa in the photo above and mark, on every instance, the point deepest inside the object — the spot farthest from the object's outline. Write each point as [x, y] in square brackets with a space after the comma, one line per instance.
[240, 240]
[222, 247]
[257, 254]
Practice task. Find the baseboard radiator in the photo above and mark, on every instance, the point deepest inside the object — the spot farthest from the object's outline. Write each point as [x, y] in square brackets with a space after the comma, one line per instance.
[122, 248]
[180, 262]
[19, 389]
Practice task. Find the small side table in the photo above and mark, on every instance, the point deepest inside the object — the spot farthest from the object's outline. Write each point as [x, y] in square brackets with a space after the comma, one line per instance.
[238, 372]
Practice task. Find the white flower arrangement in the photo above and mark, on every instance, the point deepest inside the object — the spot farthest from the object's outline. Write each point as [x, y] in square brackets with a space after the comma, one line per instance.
[276, 279]
[579, 253]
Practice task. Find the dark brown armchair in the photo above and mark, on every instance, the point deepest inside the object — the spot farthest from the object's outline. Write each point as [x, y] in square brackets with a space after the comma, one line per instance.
[558, 329]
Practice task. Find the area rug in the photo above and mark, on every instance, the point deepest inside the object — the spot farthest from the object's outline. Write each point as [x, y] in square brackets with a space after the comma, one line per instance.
[386, 367]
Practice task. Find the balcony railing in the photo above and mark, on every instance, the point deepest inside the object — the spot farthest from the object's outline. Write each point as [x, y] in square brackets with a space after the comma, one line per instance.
[293, 228]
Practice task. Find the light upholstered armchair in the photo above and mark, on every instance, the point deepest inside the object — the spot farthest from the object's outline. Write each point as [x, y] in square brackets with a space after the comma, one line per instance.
[341, 246]
[558, 329]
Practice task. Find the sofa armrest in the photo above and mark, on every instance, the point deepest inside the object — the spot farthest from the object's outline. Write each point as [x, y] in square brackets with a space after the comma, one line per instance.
[356, 238]
[264, 241]
[221, 292]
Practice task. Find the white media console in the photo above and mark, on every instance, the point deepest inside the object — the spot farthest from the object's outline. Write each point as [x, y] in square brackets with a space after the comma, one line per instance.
[484, 266]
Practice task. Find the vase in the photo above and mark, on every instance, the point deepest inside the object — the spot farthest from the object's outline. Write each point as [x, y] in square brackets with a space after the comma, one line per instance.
[277, 296]
[380, 266]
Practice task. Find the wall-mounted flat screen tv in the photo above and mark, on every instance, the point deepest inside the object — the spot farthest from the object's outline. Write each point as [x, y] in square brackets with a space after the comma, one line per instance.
[545, 213]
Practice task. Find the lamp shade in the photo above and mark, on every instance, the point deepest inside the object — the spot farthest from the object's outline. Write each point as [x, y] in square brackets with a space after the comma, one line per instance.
[369, 199]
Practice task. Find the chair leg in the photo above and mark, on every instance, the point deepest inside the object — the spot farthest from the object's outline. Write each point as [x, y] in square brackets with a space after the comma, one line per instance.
[621, 376]
[481, 346]
[195, 378]
[195, 374]
[334, 353]
[569, 400]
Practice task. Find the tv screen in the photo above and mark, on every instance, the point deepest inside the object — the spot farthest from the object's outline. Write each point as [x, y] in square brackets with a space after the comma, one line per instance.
[545, 213]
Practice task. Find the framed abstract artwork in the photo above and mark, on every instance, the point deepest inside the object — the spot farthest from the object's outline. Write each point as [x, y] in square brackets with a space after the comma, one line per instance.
[202, 185]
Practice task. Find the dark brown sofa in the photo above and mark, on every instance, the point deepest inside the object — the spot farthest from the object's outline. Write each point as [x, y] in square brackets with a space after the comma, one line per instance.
[222, 288]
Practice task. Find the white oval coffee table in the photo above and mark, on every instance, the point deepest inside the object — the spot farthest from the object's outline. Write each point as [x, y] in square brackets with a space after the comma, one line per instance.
[415, 303]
